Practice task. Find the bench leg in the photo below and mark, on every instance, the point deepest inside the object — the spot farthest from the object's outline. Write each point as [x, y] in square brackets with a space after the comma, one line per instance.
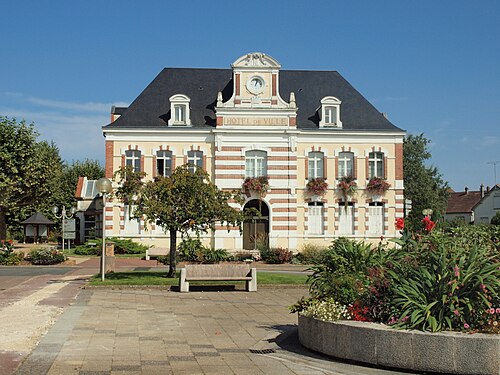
[147, 255]
[252, 284]
[183, 284]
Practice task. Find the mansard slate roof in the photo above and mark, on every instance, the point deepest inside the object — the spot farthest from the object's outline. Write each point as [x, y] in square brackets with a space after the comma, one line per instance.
[151, 109]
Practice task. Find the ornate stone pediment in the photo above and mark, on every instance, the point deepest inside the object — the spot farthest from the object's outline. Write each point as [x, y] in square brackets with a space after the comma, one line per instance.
[256, 59]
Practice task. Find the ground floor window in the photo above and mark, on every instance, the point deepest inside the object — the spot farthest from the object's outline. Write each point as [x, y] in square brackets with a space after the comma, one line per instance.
[346, 218]
[376, 218]
[315, 218]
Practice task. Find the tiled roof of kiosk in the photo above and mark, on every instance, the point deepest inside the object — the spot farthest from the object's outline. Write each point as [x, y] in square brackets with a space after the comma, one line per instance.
[151, 108]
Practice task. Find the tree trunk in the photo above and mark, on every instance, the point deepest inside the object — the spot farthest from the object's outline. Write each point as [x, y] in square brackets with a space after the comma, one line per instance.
[3, 223]
[173, 249]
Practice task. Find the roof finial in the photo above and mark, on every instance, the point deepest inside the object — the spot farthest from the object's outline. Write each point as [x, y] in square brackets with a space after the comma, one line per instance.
[292, 100]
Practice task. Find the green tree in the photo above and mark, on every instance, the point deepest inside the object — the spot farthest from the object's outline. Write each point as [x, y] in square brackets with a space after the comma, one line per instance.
[182, 202]
[424, 185]
[495, 220]
[27, 168]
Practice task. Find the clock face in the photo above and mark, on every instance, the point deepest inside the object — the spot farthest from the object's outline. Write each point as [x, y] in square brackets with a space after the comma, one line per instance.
[255, 85]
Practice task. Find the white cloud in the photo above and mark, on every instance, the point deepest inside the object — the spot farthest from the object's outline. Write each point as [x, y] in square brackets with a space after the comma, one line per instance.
[86, 107]
[489, 140]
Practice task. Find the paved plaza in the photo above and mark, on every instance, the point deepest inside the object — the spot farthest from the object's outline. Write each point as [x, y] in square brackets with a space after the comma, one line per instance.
[155, 331]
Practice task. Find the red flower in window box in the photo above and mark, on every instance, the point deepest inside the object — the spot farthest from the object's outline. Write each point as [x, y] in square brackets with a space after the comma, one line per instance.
[317, 186]
[257, 185]
[377, 185]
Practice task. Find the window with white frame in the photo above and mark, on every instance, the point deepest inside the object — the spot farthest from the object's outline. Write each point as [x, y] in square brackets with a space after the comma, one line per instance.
[375, 164]
[164, 163]
[131, 225]
[346, 164]
[179, 110]
[133, 159]
[315, 167]
[255, 163]
[346, 218]
[330, 112]
[376, 218]
[315, 218]
[194, 160]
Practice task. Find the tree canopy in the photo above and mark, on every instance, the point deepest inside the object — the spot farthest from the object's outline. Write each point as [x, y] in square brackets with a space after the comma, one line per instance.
[183, 202]
[424, 185]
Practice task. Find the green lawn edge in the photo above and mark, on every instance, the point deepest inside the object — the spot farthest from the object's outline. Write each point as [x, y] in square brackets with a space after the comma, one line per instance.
[146, 278]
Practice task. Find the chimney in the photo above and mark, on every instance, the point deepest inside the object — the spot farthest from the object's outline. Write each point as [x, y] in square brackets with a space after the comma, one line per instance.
[487, 188]
[466, 189]
[481, 190]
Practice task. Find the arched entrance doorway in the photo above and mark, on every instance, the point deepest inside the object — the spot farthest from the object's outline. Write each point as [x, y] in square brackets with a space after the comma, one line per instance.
[257, 227]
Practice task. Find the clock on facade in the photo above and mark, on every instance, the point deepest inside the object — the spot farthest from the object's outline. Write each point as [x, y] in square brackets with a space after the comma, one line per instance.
[255, 85]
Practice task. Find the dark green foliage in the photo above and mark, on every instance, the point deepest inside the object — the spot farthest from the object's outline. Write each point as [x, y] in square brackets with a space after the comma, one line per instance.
[276, 255]
[189, 249]
[122, 246]
[424, 185]
[311, 254]
[45, 256]
[7, 255]
[495, 220]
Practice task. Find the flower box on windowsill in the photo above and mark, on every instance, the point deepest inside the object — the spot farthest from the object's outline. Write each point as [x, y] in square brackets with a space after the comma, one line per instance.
[316, 188]
[257, 185]
[377, 186]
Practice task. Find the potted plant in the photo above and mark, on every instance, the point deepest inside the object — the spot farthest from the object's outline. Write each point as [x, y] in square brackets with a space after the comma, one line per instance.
[347, 186]
[316, 186]
[377, 186]
[257, 185]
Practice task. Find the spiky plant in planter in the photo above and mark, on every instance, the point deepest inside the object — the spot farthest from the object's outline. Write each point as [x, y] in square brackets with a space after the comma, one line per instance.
[347, 186]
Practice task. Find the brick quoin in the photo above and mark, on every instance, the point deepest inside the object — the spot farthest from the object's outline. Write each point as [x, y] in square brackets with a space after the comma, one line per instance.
[399, 161]
[109, 159]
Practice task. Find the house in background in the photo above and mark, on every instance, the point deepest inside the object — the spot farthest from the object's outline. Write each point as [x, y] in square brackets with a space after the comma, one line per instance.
[254, 120]
[88, 211]
[474, 207]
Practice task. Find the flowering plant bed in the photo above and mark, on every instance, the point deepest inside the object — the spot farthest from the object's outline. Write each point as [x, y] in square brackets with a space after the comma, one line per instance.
[258, 185]
[317, 186]
[377, 185]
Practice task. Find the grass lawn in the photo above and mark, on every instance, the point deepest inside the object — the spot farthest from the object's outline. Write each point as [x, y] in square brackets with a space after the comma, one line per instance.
[158, 278]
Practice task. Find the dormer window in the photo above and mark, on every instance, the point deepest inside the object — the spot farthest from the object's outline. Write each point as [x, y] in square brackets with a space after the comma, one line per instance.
[330, 112]
[179, 110]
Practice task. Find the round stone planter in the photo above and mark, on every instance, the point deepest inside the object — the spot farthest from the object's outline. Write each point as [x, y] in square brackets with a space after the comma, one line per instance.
[372, 343]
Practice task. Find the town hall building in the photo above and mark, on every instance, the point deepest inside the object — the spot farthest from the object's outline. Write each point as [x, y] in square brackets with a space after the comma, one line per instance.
[258, 120]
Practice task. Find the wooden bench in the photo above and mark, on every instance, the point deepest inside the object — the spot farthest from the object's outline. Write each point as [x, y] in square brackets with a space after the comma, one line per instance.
[218, 272]
[156, 252]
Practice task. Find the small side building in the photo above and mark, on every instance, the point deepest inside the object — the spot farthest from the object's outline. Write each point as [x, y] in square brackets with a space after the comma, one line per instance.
[36, 228]
[474, 207]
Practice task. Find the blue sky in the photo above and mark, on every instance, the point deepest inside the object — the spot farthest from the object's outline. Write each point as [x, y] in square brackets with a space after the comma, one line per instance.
[432, 66]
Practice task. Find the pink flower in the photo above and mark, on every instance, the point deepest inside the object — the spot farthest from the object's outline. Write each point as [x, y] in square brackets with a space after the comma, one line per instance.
[491, 311]
[457, 271]
[497, 310]
[456, 312]
[466, 326]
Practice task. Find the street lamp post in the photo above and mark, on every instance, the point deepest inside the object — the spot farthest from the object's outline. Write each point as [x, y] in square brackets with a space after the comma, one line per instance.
[63, 216]
[105, 187]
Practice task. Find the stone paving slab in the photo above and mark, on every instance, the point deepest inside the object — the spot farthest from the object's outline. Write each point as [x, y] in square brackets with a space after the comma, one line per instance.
[155, 331]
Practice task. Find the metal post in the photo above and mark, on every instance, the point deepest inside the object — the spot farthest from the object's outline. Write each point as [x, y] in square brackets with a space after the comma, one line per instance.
[103, 265]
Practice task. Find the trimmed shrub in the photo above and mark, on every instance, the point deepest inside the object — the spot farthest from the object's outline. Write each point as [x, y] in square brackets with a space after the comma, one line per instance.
[46, 255]
[122, 246]
[311, 253]
[276, 255]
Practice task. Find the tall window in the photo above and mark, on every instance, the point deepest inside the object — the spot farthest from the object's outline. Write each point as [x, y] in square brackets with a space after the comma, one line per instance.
[255, 163]
[315, 219]
[133, 159]
[376, 218]
[164, 163]
[180, 113]
[195, 160]
[346, 164]
[330, 115]
[346, 218]
[375, 164]
[315, 165]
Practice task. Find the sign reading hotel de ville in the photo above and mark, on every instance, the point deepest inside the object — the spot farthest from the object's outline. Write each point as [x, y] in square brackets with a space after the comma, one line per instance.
[256, 121]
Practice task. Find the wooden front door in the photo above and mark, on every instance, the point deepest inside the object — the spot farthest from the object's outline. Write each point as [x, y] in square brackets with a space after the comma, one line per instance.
[256, 229]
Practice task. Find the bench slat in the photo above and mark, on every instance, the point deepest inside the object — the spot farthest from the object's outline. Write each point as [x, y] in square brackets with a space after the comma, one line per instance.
[216, 278]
